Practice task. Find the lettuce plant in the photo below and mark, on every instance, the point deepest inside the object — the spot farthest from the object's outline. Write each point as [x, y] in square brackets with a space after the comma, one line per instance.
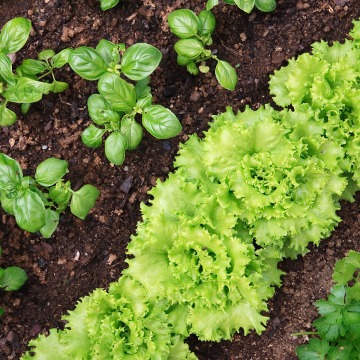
[122, 323]
[24, 85]
[326, 83]
[115, 109]
[37, 202]
[338, 330]
[195, 33]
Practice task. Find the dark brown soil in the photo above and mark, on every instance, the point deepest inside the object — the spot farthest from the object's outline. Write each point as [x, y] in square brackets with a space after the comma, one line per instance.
[83, 255]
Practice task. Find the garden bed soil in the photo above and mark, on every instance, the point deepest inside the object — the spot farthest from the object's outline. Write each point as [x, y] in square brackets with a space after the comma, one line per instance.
[84, 255]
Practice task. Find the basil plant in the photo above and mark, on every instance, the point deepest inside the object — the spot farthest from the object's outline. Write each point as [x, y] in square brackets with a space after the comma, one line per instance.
[37, 202]
[246, 5]
[124, 95]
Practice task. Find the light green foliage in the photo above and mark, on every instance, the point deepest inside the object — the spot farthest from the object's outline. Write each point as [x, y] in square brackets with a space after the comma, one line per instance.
[195, 33]
[37, 202]
[24, 85]
[122, 323]
[258, 187]
[246, 5]
[115, 109]
[339, 323]
[327, 84]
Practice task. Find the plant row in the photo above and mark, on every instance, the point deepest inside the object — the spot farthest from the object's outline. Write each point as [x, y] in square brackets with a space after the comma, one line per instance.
[259, 187]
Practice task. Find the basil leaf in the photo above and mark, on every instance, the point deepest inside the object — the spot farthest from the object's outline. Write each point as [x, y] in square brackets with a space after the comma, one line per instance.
[265, 5]
[61, 58]
[7, 116]
[83, 200]
[115, 146]
[207, 22]
[142, 89]
[140, 60]
[92, 136]
[211, 3]
[132, 131]
[226, 75]
[183, 23]
[183, 60]
[60, 194]
[160, 122]
[12, 278]
[192, 68]
[52, 221]
[189, 48]
[32, 67]
[10, 171]
[6, 69]
[100, 110]
[108, 51]
[14, 35]
[7, 204]
[27, 90]
[51, 171]
[87, 63]
[245, 5]
[46, 54]
[119, 93]
[29, 211]
[107, 4]
[59, 86]
[24, 107]
[144, 102]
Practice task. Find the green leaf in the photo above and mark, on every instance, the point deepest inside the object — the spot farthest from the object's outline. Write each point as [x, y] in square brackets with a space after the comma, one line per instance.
[59, 86]
[61, 58]
[316, 350]
[27, 90]
[207, 22]
[226, 75]
[140, 60]
[101, 111]
[83, 200]
[32, 67]
[108, 51]
[115, 146]
[6, 203]
[142, 89]
[7, 116]
[6, 69]
[14, 35]
[211, 3]
[29, 211]
[46, 54]
[52, 221]
[160, 122]
[10, 171]
[87, 63]
[183, 23]
[245, 5]
[92, 136]
[12, 278]
[118, 92]
[265, 5]
[60, 194]
[107, 4]
[189, 48]
[51, 171]
[132, 131]
[144, 102]
[24, 108]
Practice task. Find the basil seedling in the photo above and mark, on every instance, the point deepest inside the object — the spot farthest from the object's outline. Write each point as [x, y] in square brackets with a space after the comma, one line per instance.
[37, 202]
[119, 103]
[246, 5]
[24, 85]
[195, 33]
